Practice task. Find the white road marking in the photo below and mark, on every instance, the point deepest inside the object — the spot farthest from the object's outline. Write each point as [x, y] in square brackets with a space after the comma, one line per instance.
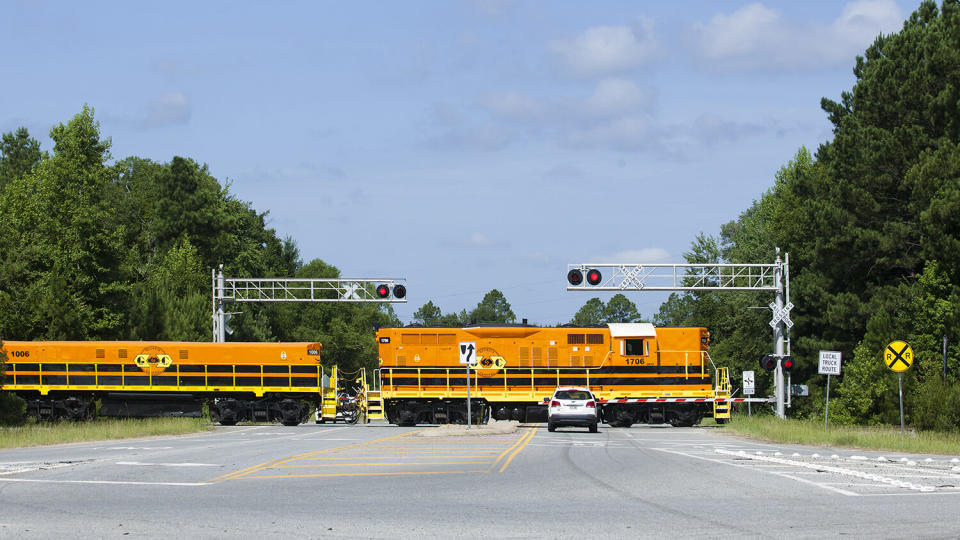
[747, 466]
[120, 482]
[169, 464]
[134, 448]
[836, 470]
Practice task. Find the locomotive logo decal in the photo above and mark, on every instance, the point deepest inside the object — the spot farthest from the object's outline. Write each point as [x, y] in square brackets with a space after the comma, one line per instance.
[153, 360]
[489, 362]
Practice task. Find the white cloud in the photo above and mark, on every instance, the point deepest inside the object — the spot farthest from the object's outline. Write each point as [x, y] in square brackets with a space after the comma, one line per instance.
[756, 37]
[170, 109]
[478, 240]
[611, 97]
[608, 49]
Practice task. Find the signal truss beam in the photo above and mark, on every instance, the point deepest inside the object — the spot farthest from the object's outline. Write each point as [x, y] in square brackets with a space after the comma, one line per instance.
[308, 290]
[679, 277]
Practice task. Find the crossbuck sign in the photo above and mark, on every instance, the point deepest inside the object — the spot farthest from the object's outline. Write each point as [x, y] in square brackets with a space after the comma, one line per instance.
[781, 315]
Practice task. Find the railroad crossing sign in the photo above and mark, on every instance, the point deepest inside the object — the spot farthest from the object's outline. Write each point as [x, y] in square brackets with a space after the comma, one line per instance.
[898, 356]
[782, 314]
[468, 352]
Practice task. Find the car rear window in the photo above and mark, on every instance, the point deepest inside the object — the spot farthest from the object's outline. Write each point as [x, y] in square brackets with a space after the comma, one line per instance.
[573, 394]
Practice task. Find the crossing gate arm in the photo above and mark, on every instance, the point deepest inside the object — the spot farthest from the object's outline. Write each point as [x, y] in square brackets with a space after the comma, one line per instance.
[689, 400]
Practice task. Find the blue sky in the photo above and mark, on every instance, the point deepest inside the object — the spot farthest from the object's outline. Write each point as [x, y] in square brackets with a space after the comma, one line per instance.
[464, 145]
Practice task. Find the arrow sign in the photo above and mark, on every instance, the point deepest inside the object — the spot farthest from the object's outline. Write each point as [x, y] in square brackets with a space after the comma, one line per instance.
[467, 348]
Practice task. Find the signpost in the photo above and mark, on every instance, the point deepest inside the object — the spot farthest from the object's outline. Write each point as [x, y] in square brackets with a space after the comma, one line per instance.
[829, 365]
[468, 356]
[748, 388]
[898, 356]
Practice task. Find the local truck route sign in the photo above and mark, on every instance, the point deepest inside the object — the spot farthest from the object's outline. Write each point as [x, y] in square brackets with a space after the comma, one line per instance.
[829, 363]
[898, 356]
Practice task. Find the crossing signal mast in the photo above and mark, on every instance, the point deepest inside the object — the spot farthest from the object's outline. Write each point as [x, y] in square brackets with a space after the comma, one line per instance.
[227, 290]
[774, 277]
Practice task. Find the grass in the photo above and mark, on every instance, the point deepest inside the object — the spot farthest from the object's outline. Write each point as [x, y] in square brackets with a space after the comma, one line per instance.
[770, 428]
[97, 430]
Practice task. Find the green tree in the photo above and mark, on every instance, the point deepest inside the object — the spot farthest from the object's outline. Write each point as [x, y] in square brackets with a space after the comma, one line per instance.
[68, 256]
[428, 314]
[590, 313]
[173, 303]
[19, 154]
[494, 308]
[619, 309]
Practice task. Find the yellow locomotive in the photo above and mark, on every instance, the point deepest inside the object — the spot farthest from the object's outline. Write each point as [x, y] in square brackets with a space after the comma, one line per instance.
[638, 372]
[238, 381]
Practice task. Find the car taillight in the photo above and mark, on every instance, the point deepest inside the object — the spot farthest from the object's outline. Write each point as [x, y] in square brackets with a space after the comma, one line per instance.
[554, 403]
[591, 403]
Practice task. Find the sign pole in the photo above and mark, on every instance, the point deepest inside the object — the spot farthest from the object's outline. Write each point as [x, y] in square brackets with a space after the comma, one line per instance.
[826, 413]
[468, 396]
[898, 356]
[829, 365]
[748, 388]
[900, 381]
[467, 357]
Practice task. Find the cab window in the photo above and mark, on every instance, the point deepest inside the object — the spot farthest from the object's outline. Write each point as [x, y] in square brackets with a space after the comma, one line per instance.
[633, 347]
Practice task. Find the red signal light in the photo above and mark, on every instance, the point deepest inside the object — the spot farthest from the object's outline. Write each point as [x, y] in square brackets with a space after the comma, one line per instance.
[399, 291]
[383, 291]
[594, 277]
[768, 362]
[575, 277]
[786, 363]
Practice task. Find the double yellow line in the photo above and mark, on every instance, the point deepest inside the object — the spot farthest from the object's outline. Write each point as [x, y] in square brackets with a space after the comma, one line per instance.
[504, 460]
[513, 450]
[249, 470]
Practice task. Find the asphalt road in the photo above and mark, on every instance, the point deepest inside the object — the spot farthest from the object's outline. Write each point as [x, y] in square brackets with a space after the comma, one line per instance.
[383, 481]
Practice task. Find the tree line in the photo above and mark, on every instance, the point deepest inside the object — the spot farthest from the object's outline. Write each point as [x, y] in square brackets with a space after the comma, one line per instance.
[871, 221]
[96, 249]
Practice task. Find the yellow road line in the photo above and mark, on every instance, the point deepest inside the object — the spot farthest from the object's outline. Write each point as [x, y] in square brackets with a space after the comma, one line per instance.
[379, 464]
[508, 450]
[405, 473]
[243, 472]
[529, 437]
[414, 451]
[392, 456]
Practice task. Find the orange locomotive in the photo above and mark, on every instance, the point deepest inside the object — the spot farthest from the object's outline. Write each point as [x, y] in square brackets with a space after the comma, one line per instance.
[519, 366]
[238, 381]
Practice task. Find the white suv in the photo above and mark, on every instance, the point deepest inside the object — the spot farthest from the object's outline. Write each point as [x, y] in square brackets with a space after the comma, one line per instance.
[572, 406]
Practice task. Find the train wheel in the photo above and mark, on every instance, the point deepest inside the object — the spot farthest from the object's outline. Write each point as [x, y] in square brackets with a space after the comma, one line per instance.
[407, 418]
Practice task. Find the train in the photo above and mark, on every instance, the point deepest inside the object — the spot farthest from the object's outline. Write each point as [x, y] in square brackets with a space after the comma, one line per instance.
[639, 373]
[235, 382]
